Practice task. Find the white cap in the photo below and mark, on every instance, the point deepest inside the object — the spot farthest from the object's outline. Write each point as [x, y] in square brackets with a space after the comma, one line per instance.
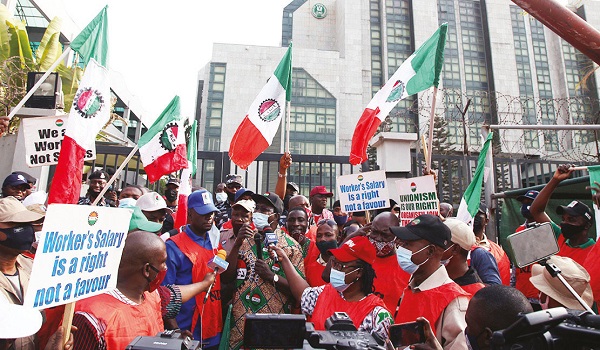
[17, 321]
[38, 197]
[462, 234]
[152, 201]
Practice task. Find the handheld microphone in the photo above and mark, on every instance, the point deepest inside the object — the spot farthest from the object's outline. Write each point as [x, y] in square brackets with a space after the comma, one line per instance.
[218, 264]
[271, 240]
[258, 243]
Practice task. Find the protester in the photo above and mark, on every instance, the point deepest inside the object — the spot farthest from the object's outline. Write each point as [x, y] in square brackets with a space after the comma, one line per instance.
[233, 182]
[15, 185]
[220, 194]
[188, 256]
[576, 219]
[97, 181]
[16, 236]
[480, 222]
[553, 292]
[154, 207]
[491, 309]
[32, 181]
[131, 191]
[446, 210]
[281, 187]
[455, 256]
[591, 261]
[172, 193]
[430, 292]
[318, 204]
[350, 289]
[297, 227]
[318, 253]
[339, 216]
[260, 284]
[349, 228]
[523, 274]
[113, 319]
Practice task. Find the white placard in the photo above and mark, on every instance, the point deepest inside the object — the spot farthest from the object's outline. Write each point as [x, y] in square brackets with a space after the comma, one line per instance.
[78, 255]
[364, 191]
[43, 137]
[417, 196]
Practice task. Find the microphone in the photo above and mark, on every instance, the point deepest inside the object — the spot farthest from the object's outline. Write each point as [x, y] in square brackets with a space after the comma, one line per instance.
[271, 240]
[218, 264]
[258, 243]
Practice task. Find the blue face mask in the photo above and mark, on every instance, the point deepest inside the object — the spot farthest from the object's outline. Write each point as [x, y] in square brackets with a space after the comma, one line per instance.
[260, 220]
[404, 259]
[338, 280]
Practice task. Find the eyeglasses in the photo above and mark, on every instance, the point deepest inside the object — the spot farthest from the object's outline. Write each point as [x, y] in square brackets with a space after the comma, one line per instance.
[326, 221]
[234, 186]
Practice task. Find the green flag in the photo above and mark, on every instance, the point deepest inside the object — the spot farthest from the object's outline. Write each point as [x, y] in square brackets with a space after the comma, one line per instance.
[192, 148]
[92, 42]
[469, 203]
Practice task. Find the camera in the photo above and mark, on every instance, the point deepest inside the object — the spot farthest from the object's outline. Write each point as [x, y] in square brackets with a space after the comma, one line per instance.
[167, 340]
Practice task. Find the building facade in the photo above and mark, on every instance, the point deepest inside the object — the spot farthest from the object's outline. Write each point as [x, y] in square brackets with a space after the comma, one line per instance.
[499, 61]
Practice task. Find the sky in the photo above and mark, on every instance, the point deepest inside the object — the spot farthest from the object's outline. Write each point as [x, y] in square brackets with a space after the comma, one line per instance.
[156, 51]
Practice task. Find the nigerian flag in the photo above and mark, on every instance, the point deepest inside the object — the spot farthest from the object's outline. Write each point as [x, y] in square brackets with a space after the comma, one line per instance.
[469, 203]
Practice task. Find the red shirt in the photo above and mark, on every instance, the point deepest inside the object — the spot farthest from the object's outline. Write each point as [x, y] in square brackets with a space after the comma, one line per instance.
[313, 268]
[390, 280]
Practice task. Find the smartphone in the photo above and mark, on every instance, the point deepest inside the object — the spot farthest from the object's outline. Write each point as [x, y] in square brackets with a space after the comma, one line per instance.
[405, 334]
[532, 245]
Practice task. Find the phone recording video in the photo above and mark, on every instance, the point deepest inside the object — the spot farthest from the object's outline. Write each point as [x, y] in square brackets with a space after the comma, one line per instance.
[405, 334]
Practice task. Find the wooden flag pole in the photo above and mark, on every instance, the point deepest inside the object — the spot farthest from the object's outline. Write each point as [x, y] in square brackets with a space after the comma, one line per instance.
[114, 177]
[431, 123]
[288, 108]
[424, 147]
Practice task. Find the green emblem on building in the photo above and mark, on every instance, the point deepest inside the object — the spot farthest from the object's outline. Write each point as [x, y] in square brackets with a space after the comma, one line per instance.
[319, 11]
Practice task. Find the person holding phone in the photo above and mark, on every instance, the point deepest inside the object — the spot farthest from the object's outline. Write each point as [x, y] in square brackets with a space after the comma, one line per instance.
[349, 289]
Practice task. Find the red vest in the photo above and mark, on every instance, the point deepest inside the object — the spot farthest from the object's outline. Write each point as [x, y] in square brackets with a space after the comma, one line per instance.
[593, 268]
[577, 254]
[523, 284]
[473, 287]
[212, 322]
[503, 262]
[314, 270]
[390, 280]
[124, 322]
[330, 301]
[429, 304]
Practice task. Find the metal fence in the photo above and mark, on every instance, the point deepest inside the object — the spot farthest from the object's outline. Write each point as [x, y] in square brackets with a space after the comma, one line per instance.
[454, 171]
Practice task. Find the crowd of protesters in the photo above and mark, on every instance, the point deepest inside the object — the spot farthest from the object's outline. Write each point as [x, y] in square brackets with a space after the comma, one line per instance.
[291, 254]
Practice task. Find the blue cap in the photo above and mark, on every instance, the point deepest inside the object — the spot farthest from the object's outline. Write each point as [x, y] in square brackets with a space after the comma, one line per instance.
[201, 201]
[242, 191]
[15, 180]
[531, 194]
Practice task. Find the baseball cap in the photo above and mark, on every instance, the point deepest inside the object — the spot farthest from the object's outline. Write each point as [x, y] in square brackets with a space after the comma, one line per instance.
[427, 227]
[17, 321]
[173, 181]
[270, 199]
[575, 208]
[531, 194]
[358, 247]
[99, 174]
[140, 222]
[242, 191]
[12, 210]
[234, 178]
[247, 204]
[320, 190]
[294, 186]
[484, 209]
[15, 180]
[573, 273]
[28, 177]
[152, 201]
[201, 201]
[462, 234]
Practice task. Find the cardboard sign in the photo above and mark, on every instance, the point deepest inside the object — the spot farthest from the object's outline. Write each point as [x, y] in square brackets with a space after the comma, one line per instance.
[364, 191]
[417, 196]
[43, 137]
[78, 255]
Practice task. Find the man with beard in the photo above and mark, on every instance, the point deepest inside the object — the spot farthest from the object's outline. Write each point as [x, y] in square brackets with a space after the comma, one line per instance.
[576, 219]
[233, 183]
[97, 181]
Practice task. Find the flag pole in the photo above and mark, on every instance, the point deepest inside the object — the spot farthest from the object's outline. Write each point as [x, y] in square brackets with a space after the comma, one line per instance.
[114, 177]
[39, 83]
[288, 107]
[431, 122]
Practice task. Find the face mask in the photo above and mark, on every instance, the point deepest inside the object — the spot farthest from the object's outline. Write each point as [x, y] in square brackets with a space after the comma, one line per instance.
[404, 259]
[221, 197]
[525, 211]
[127, 202]
[171, 195]
[338, 280]
[324, 246]
[569, 231]
[446, 261]
[230, 197]
[260, 220]
[477, 225]
[19, 238]
[155, 283]
[383, 248]
[340, 220]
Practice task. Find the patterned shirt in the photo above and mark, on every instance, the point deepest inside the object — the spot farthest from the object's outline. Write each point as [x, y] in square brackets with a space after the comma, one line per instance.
[252, 294]
[102, 203]
[378, 321]
[223, 214]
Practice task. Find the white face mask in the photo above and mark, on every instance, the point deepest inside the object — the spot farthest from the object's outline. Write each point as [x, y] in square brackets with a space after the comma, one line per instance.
[221, 197]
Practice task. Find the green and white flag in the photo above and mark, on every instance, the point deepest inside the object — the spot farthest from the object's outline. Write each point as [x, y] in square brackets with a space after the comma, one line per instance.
[469, 204]
[594, 171]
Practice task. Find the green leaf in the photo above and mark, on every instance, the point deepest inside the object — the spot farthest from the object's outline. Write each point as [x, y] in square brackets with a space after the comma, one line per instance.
[48, 40]
[52, 52]
[19, 43]
[71, 76]
[4, 38]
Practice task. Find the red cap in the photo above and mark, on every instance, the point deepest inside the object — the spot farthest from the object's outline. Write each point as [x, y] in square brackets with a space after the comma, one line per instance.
[320, 190]
[356, 248]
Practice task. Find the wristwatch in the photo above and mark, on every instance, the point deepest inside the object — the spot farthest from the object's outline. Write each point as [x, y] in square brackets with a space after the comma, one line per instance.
[275, 278]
